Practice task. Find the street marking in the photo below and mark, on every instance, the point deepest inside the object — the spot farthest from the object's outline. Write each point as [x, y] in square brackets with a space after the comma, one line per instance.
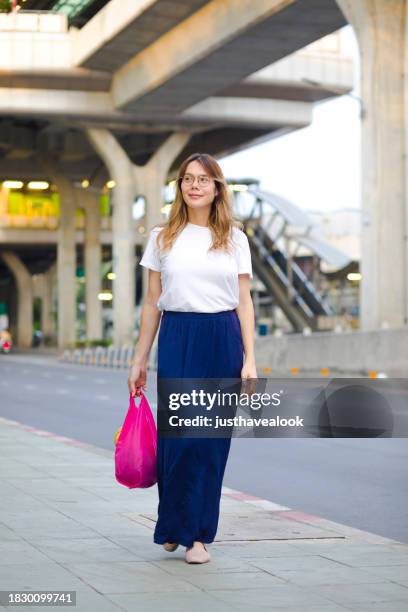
[240, 496]
[53, 436]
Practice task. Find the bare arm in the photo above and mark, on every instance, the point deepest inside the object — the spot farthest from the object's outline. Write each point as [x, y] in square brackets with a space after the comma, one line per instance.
[245, 312]
[149, 322]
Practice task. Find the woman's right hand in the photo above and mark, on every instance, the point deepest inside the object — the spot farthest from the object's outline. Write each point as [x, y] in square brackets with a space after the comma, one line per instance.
[137, 378]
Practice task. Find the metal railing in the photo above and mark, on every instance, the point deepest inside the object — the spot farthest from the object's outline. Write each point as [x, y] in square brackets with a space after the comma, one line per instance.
[104, 357]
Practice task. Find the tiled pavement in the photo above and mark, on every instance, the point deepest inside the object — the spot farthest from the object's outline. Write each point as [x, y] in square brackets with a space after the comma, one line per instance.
[66, 524]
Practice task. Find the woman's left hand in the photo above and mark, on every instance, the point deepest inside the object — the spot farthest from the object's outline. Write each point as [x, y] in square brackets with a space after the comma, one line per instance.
[249, 370]
[248, 374]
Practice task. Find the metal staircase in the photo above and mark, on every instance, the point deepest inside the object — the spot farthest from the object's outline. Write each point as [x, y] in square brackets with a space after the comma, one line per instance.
[298, 299]
[270, 223]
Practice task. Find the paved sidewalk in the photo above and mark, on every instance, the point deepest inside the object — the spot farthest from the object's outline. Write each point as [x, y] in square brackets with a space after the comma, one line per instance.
[66, 524]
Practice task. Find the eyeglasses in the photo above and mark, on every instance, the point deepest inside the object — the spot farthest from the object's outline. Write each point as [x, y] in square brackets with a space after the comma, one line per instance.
[202, 179]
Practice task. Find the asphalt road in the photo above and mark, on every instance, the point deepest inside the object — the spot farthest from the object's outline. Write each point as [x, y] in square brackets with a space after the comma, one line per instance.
[358, 482]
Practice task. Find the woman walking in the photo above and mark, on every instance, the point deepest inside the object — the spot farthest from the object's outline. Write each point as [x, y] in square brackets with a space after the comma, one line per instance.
[199, 269]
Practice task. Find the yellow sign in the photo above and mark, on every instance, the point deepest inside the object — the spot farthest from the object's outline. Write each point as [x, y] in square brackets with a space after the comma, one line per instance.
[45, 205]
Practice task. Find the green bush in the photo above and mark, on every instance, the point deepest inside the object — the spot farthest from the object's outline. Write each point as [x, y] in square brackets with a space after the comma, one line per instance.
[100, 342]
[81, 344]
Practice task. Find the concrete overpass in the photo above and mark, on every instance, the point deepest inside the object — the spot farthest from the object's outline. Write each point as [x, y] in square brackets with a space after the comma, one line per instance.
[63, 93]
[142, 84]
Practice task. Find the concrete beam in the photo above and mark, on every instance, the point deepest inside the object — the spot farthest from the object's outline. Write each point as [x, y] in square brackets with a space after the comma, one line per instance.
[237, 38]
[19, 237]
[49, 78]
[97, 108]
[252, 112]
[285, 79]
[123, 28]
[73, 105]
[225, 141]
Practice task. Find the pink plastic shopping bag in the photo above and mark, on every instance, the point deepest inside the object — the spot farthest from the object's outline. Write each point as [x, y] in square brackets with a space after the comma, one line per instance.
[135, 452]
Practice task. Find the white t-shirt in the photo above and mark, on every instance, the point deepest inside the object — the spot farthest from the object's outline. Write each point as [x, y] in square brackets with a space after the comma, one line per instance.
[194, 280]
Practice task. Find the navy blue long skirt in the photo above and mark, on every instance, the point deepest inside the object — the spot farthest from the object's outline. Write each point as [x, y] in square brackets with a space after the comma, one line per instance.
[190, 470]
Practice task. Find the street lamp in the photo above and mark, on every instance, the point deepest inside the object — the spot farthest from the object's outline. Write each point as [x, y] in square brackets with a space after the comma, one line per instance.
[337, 90]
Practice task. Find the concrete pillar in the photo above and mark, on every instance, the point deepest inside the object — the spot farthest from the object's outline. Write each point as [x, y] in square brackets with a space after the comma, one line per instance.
[42, 287]
[93, 258]
[151, 179]
[24, 298]
[66, 255]
[123, 247]
[131, 181]
[384, 266]
[66, 267]
[47, 323]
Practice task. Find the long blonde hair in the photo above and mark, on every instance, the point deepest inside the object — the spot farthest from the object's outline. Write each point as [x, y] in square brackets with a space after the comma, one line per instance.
[221, 219]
